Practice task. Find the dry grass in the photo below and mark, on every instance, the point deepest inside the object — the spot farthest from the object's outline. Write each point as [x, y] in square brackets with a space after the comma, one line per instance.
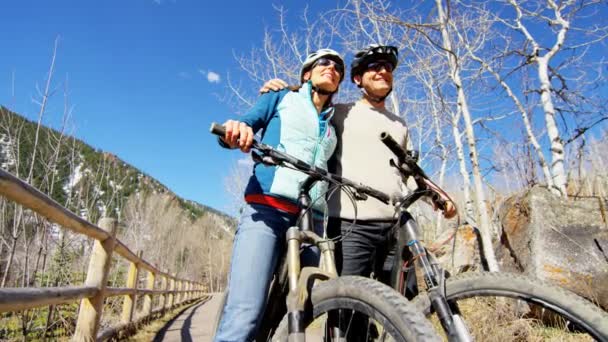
[508, 320]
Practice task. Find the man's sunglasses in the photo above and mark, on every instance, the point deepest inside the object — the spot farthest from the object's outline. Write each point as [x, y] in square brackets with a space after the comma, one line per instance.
[325, 62]
[379, 65]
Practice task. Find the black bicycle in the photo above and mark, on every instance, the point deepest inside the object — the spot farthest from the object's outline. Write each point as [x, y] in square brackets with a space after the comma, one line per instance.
[464, 302]
[313, 302]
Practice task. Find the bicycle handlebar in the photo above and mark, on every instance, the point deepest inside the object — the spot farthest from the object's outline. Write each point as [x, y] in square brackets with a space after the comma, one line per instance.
[405, 158]
[392, 145]
[304, 167]
[217, 129]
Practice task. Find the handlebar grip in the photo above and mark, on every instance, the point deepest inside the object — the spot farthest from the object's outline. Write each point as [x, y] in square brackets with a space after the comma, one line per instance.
[217, 129]
[393, 146]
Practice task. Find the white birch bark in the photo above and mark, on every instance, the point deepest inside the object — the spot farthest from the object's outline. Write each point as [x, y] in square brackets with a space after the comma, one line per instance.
[542, 61]
[482, 211]
[523, 112]
[469, 210]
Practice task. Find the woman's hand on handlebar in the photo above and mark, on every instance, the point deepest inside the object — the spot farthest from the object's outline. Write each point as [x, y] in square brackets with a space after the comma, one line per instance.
[238, 135]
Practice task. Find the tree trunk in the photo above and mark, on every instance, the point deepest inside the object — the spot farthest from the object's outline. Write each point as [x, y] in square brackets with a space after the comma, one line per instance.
[524, 115]
[485, 227]
[11, 257]
[557, 146]
[469, 210]
[211, 273]
[26, 267]
[443, 157]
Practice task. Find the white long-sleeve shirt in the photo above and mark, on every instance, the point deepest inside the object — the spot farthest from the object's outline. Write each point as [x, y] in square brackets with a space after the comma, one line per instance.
[360, 156]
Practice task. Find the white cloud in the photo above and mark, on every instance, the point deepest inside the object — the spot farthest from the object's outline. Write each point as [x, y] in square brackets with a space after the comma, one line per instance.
[213, 77]
[245, 162]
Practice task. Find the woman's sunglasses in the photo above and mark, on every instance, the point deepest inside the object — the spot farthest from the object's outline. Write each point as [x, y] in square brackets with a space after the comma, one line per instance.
[325, 62]
[379, 65]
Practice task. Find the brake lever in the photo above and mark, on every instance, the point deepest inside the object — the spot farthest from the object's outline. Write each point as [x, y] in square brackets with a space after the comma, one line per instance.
[404, 169]
[360, 197]
[264, 159]
[439, 202]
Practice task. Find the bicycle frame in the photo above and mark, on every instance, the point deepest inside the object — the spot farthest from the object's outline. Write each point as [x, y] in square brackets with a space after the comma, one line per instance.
[300, 280]
[447, 312]
[290, 274]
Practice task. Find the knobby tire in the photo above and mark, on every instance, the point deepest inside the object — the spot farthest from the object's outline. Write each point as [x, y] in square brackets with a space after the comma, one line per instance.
[400, 319]
[585, 315]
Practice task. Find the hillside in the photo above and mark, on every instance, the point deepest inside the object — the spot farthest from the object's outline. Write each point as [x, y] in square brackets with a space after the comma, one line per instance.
[184, 236]
[80, 170]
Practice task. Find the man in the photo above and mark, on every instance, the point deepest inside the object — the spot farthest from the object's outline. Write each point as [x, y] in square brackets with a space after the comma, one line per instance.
[361, 157]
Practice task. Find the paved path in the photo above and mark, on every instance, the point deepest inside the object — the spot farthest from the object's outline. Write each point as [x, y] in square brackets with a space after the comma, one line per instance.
[193, 324]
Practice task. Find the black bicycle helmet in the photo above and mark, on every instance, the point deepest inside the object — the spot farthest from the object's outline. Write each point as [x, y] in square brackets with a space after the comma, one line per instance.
[370, 54]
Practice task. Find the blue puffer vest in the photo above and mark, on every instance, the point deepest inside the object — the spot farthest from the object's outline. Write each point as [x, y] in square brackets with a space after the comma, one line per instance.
[289, 122]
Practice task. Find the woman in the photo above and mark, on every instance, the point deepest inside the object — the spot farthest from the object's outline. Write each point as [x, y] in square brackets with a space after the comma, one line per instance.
[296, 121]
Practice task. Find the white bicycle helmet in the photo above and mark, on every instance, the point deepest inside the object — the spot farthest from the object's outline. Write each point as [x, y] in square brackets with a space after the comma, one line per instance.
[313, 57]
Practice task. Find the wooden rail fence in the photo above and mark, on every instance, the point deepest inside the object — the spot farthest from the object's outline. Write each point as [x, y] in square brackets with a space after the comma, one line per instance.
[172, 291]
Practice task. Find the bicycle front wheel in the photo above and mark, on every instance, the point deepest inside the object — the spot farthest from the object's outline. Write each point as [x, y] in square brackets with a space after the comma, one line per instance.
[503, 307]
[361, 309]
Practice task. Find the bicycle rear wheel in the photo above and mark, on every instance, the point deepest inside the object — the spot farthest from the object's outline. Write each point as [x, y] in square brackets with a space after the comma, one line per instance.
[378, 312]
[503, 306]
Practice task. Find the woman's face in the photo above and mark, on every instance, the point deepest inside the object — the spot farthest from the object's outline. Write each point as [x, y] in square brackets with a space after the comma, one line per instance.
[325, 74]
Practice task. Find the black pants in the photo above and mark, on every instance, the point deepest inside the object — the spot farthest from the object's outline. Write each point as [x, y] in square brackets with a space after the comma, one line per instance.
[364, 246]
[376, 247]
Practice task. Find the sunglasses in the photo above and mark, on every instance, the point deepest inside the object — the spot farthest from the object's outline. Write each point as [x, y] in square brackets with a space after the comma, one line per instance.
[379, 65]
[325, 62]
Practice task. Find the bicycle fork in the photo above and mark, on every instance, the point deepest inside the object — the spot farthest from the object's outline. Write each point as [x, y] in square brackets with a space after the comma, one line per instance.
[302, 279]
[448, 315]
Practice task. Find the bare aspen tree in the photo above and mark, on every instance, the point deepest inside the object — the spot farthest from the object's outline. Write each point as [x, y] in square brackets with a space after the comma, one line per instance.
[426, 77]
[482, 211]
[13, 131]
[235, 183]
[280, 56]
[19, 227]
[42, 103]
[546, 26]
[523, 112]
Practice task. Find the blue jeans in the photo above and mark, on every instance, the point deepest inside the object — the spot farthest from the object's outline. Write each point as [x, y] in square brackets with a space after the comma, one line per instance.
[259, 241]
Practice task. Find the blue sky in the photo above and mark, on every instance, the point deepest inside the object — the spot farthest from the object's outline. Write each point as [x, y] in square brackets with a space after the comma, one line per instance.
[145, 77]
[137, 73]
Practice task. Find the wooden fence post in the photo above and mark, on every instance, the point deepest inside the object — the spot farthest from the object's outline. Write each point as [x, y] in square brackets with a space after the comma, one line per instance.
[129, 300]
[148, 298]
[171, 289]
[91, 309]
[164, 285]
[180, 295]
[187, 294]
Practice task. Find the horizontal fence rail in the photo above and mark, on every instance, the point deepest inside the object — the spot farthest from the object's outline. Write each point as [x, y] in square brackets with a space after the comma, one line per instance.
[173, 291]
